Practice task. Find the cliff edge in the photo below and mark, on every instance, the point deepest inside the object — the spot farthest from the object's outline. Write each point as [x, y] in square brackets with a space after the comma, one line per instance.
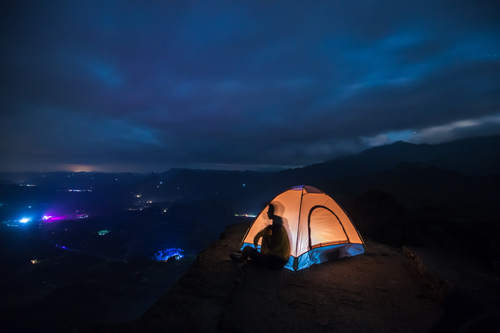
[375, 292]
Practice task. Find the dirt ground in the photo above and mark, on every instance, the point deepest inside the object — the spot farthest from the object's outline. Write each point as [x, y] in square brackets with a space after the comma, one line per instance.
[375, 292]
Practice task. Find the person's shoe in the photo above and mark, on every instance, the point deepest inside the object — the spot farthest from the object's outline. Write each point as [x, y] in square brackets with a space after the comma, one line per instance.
[236, 256]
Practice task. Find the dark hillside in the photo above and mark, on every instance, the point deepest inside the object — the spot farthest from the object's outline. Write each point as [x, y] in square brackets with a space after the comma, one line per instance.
[472, 156]
[376, 292]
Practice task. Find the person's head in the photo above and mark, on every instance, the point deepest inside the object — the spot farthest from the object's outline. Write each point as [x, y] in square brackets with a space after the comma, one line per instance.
[277, 221]
[270, 211]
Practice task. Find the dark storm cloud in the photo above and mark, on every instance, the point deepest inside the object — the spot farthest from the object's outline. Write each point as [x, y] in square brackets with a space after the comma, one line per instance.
[150, 85]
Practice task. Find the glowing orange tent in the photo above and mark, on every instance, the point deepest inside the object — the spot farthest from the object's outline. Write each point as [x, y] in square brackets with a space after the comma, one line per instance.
[318, 228]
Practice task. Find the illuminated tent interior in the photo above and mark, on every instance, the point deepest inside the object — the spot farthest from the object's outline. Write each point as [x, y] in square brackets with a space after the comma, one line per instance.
[317, 227]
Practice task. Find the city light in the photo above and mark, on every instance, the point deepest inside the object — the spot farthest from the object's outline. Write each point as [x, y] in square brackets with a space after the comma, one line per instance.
[53, 218]
[24, 220]
[245, 215]
[46, 218]
[79, 190]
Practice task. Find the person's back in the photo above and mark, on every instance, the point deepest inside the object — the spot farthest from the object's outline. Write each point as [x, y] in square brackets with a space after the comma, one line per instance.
[275, 246]
[275, 241]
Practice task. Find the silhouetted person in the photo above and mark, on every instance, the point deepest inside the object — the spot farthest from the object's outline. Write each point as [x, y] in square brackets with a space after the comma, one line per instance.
[275, 248]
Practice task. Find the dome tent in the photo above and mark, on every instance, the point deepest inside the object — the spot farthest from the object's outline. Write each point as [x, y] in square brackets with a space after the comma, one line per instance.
[317, 227]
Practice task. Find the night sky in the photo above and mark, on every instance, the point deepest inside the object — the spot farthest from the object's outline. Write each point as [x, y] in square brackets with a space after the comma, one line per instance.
[150, 85]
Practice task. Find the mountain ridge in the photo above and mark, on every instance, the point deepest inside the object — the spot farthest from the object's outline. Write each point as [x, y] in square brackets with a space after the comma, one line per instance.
[466, 156]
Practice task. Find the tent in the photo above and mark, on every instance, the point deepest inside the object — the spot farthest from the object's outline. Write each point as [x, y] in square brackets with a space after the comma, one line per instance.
[317, 227]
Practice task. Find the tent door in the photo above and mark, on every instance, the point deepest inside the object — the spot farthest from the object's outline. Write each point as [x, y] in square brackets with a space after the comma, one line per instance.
[325, 228]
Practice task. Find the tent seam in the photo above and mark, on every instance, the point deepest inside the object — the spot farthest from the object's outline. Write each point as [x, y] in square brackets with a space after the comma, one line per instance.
[298, 223]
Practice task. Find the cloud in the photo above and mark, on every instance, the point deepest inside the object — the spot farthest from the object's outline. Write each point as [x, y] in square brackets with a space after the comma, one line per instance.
[147, 86]
[458, 129]
[487, 125]
[389, 137]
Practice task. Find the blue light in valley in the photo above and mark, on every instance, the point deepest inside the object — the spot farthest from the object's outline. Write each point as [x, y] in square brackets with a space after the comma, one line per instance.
[103, 232]
[166, 254]
[24, 220]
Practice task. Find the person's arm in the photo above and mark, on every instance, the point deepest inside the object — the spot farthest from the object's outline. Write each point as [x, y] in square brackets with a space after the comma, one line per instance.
[258, 236]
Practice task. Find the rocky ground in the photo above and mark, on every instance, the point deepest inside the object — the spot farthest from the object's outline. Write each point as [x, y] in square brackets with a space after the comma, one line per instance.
[385, 290]
[74, 290]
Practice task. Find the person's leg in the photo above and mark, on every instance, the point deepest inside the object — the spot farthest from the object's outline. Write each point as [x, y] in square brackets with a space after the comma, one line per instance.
[255, 255]
[240, 256]
[268, 261]
[274, 262]
[250, 252]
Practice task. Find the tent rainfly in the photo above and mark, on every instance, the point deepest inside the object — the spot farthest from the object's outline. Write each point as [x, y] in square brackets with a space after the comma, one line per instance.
[317, 227]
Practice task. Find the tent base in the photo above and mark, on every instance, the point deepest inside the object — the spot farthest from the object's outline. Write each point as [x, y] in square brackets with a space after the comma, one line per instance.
[320, 255]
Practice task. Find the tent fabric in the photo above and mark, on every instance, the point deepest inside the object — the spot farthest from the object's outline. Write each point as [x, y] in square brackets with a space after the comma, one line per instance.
[318, 228]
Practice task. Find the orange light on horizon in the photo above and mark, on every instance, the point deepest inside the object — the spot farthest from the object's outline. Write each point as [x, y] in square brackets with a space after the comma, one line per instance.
[79, 168]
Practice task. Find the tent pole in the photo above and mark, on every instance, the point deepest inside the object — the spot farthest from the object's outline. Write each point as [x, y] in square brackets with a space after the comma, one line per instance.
[295, 261]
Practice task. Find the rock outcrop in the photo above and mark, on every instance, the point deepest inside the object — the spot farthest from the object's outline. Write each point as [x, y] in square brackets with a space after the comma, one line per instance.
[375, 292]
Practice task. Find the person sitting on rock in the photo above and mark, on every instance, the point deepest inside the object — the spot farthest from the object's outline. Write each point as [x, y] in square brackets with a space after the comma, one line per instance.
[275, 248]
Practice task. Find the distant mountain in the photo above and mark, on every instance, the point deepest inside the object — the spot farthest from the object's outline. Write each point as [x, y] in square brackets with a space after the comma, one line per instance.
[391, 167]
[471, 156]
